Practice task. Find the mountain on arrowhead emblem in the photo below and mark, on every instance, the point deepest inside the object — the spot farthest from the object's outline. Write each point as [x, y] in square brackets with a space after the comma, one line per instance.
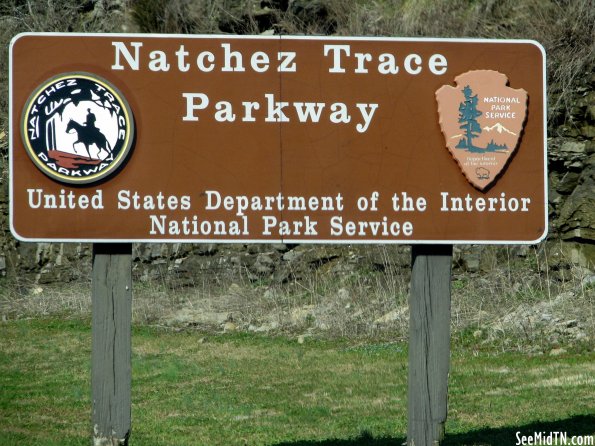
[482, 122]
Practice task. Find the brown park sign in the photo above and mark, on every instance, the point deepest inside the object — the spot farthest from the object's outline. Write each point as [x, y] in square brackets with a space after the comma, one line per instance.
[261, 139]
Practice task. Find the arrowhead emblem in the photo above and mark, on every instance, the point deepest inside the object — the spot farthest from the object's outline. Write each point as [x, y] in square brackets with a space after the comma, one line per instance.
[482, 121]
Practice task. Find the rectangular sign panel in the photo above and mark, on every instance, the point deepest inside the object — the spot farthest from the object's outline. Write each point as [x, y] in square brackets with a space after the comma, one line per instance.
[261, 139]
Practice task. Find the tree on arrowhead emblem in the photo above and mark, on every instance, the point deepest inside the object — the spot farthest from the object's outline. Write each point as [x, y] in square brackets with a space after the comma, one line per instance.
[467, 117]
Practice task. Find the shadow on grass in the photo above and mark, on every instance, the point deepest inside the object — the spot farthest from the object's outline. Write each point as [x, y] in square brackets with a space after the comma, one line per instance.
[578, 425]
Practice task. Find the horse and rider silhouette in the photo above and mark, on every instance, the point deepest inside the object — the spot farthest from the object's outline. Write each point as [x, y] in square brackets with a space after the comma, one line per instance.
[88, 134]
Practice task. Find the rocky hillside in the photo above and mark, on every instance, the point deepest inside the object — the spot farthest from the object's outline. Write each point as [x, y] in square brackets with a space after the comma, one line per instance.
[566, 29]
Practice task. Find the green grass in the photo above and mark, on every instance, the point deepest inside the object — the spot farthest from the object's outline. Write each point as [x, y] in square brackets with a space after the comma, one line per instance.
[239, 389]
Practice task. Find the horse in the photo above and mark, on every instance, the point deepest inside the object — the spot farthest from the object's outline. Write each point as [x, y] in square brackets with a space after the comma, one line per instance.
[88, 136]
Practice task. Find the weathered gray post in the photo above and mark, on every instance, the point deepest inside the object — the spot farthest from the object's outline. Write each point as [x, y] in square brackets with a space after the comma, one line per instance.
[429, 343]
[111, 343]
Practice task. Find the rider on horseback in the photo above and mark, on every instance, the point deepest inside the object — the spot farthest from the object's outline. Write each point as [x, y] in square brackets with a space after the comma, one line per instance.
[89, 134]
[90, 121]
[90, 126]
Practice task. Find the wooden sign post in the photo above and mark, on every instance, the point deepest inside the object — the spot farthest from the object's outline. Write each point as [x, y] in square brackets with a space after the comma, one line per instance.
[111, 369]
[122, 138]
[429, 343]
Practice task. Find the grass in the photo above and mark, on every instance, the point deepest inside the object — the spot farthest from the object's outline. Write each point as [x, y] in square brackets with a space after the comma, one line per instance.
[237, 389]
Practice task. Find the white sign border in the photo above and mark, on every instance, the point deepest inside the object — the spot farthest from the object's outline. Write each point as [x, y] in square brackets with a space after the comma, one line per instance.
[280, 240]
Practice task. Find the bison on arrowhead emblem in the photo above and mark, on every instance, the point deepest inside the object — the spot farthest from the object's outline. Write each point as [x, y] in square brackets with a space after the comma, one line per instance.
[482, 122]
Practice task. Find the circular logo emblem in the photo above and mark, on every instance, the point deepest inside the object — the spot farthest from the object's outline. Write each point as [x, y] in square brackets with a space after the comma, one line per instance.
[77, 128]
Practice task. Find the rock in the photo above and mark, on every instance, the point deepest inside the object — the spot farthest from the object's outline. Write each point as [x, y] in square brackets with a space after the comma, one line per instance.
[189, 316]
[557, 257]
[264, 264]
[284, 273]
[280, 247]
[588, 281]
[521, 251]
[148, 252]
[303, 315]
[206, 249]
[273, 325]
[343, 294]
[470, 261]
[561, 275]
[577, 215]
[392, 316]
[264, 328]
[588, 131]
[52, 273]
[321, 255]
[293, 255]
[314, 14]
[386, 258]
[568, 183]
[582, 254]
[155, 271]
[190, 270]
[557, 351]
[574, 147]
[255, 249]
[234, 289]
[44, 253]
[571, 324]
[302, 338]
